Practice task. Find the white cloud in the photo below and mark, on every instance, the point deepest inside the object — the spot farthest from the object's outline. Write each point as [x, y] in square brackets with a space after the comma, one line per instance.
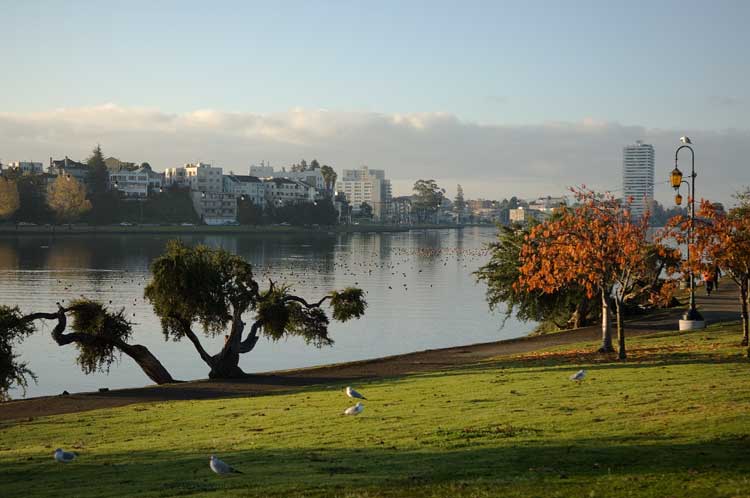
[491, 161]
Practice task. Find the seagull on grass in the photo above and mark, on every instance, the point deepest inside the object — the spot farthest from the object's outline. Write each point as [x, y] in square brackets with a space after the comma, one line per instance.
[222, 468]
[64, 456]
[354, 410]
[353, 394]
[578, 376]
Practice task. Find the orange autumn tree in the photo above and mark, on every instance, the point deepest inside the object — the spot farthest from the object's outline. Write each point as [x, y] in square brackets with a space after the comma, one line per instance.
[596, 245]
[721, 239]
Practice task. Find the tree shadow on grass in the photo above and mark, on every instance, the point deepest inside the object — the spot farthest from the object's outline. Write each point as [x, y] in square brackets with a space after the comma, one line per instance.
[514, 459]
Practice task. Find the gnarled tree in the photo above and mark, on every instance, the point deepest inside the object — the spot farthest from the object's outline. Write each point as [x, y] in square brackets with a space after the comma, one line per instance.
[100, 335]
[215, 289]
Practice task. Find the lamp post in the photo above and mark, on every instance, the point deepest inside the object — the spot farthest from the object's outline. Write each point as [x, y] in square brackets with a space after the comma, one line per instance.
[692, 319]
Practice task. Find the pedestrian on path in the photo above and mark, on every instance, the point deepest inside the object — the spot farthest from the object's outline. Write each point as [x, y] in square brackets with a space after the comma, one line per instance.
[708, 281]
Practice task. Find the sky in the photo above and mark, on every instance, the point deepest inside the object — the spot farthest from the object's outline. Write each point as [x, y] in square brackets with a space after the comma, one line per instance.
[507, 98]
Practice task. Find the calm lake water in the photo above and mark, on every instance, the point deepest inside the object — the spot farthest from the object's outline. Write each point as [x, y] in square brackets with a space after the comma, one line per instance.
[419, 285]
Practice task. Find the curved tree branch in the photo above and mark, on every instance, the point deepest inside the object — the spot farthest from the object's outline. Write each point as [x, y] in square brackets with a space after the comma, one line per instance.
[150, 365]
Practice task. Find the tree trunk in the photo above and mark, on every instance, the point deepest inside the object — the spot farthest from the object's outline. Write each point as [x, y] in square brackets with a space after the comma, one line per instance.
[744, 312]
[150, 365]
[606, 326]
[225, 364]
[621, 354]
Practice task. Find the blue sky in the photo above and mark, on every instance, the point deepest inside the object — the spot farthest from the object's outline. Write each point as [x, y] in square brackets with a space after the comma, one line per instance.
[658, 65]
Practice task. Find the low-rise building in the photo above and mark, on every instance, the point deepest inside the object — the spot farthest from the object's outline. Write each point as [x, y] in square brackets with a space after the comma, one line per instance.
[249, 187]
[548, 204]
[130, 183]
[67, 166]
[284, 191]
[262, 171]
[26, 167]
[314, 178]
[215, 208]
[175, 177]
[525, 215]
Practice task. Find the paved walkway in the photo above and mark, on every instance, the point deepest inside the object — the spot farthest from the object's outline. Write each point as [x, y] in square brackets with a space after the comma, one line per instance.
[719, 307]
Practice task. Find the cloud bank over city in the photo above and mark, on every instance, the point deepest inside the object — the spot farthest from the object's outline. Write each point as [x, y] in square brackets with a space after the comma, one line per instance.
[490, 161]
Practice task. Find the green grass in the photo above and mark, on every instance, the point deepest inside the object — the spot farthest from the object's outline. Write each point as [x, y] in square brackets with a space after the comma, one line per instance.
[671, 421]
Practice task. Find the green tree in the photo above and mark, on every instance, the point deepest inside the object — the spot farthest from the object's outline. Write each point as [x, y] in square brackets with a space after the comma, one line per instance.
[9, 198]
[103, 200]
[67, 199]
[13, 373]
[32, 191]
[365, 211]
[100, 336]
[248, 213]
[98, 175]
[568, 307]
[329, 177]
[214, 289]
[426, 199]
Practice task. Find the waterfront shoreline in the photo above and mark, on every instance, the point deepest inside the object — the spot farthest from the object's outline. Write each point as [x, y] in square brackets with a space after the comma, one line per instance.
[718, 308]
[61, 230]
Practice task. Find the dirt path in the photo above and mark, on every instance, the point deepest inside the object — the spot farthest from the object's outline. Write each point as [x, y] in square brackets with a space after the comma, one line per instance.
[721, 306]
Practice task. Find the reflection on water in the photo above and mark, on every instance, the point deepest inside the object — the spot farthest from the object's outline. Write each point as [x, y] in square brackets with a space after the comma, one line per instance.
[419, 286]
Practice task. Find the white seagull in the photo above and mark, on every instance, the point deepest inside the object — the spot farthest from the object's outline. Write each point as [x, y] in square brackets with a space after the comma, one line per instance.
[578, 376]
[64, 456]
[353, 394]
[222, 468]
[354, 410]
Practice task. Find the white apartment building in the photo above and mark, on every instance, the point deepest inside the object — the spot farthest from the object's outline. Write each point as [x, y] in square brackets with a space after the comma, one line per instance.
[175, 177]
[283, 191]
[638, 177]
[262, 171]
[215, 208]
[524, 215]
[130, 183]
[200, 177]
[314, 178]
[251, 187]
[366, 185]
[27, 167]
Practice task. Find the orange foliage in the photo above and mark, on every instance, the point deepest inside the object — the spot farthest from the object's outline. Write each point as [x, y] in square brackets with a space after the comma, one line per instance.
[594, 244]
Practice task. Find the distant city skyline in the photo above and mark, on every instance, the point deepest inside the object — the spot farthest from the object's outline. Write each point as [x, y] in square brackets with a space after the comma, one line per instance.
[523, 98]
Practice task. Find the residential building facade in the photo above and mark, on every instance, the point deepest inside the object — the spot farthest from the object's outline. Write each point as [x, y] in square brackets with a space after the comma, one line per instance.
[251, 187]
[365, 185]
[638, 177]
[132, 184]
[215, 208]
[67, 166]
[26, 167]
[284, 191]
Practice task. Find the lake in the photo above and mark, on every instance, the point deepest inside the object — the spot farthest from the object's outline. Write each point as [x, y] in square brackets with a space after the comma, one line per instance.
[420, 290]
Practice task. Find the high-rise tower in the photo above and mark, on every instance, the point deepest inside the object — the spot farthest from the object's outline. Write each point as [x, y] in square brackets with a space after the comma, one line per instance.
[638, 177]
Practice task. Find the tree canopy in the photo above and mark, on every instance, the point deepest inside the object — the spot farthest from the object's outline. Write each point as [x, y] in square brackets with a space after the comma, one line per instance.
[595, 245]
[67, 199]
[214, 289]
[426, 199]
[9, 198]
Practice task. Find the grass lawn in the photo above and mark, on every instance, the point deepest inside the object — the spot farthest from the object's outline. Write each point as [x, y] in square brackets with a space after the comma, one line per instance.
[674, 420]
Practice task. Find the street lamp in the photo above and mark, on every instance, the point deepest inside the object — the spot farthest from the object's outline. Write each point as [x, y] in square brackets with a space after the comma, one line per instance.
[692, 319]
